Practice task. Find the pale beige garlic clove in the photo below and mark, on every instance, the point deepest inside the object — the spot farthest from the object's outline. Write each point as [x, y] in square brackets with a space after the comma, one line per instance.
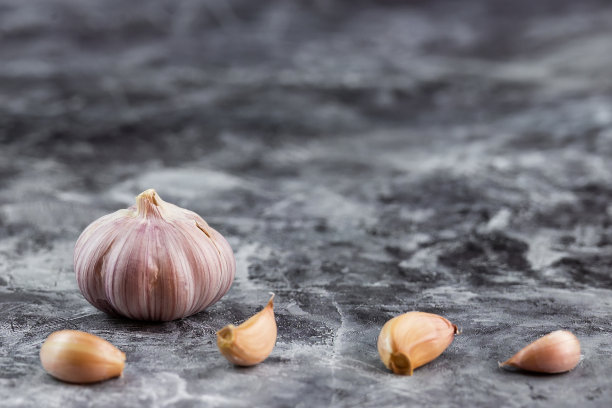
[78, 357]
[414, 339]
[557, 352]
[251, 342]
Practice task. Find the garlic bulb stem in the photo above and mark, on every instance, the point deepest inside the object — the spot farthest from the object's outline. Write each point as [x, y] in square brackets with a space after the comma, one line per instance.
[148, 203]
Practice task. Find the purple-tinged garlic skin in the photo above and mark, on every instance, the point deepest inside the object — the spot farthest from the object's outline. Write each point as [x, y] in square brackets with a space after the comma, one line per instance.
[153, 261]
[557, 352]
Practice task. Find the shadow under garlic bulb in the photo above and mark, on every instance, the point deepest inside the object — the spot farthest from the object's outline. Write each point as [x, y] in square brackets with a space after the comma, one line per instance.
[153, 261]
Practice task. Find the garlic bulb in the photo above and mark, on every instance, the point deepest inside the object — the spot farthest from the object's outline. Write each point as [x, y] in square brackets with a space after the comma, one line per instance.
[79, 357]
[252, 341]
[413, 339]
[153, 261]
[557, 352]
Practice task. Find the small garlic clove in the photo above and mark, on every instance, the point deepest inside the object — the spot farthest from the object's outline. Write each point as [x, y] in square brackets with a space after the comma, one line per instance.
[413, 339]
[252, 341]
[557, 352]
[78, 357]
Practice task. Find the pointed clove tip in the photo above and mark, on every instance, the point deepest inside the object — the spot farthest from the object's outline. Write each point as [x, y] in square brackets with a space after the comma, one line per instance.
[271, 301]
[508, 365]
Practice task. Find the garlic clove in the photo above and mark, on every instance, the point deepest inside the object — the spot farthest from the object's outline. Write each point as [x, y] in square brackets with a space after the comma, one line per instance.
[78, 357]
[413, 339]
[251, 342]
[557, 352]
[153, 261]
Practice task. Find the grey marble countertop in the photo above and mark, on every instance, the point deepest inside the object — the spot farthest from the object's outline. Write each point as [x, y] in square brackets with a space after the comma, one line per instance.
[362, 158]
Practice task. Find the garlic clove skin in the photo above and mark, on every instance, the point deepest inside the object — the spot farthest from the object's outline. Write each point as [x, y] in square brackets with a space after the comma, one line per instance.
[557, 352]
[78, 357]
[413, 339]
[153, 261]
[251, 342]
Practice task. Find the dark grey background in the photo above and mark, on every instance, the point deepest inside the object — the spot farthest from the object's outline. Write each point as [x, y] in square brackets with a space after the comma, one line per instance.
[362, 158]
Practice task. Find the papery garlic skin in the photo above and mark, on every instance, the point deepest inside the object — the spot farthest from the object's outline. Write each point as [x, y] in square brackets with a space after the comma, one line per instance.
[252, 341]
[78, 357]
[557, 352]
[153, 261]
[413, 339]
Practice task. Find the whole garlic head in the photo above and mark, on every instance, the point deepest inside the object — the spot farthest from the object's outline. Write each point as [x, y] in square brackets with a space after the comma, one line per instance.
[153, 261]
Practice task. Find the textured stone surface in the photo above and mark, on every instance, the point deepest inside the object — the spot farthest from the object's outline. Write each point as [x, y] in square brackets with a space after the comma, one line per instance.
[363, 159]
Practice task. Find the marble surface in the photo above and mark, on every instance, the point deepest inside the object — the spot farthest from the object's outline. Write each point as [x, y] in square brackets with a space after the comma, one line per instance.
[362, 158]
